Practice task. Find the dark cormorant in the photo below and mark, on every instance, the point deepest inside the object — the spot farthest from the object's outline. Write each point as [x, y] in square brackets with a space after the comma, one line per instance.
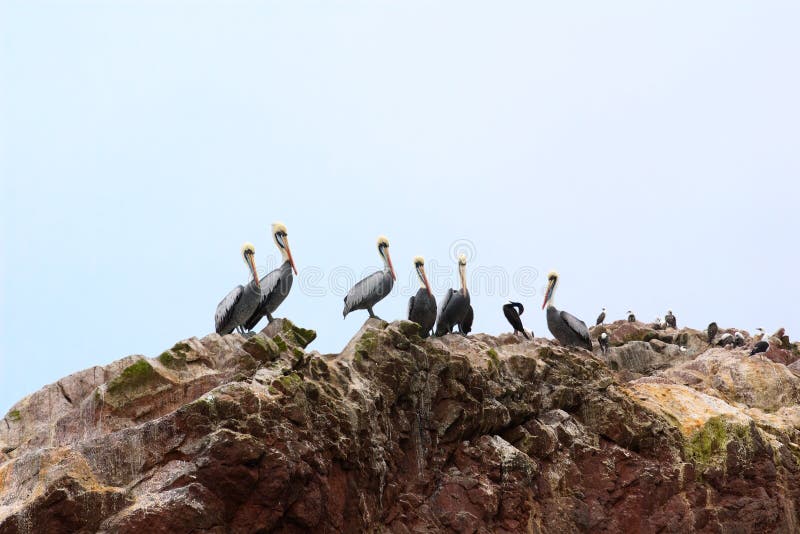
[512, 311]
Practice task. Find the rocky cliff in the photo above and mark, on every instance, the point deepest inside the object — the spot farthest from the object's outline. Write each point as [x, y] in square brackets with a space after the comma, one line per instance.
[400, 434]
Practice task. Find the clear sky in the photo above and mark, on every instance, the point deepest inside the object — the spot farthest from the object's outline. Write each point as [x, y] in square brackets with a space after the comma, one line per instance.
[649, 151]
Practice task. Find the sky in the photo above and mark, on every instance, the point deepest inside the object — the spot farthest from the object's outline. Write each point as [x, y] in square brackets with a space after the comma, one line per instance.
[648, 151]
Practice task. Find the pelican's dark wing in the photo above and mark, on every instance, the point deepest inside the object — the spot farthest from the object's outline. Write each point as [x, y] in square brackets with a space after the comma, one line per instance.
[225, 308]
[368, 291]
[577, 326]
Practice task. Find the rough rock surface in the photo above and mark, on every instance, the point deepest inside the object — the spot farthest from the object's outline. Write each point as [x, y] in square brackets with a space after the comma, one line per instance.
[399, 434]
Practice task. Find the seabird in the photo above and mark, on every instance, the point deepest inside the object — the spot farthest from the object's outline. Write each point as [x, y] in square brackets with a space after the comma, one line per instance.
[512, 311]
[601, 317]
[422, 306]
[372, 289]
[631, 317]
[565, 327]
[275, 286]
[465, 326]
[603, 340]
[712, 332]
[455, 307]
[725, 339]
[242, 301]
[738, 339]
[670, 320]
[760, 347]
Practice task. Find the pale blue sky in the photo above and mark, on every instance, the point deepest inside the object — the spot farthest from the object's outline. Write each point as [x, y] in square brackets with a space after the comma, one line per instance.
[649, 151]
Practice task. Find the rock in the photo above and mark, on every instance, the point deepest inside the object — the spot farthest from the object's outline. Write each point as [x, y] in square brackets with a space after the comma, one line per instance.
[400, 434]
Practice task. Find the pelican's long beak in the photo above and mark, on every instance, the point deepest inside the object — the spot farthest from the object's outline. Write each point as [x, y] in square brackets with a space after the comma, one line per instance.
[251, 262]
[421, 270]
[389, 261]
[289, 253]
[548, 294]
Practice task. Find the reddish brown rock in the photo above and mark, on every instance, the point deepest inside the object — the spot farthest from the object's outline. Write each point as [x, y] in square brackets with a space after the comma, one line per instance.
[399, 434]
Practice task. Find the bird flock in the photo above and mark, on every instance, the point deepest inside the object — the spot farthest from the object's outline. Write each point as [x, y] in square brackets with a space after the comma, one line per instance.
[245, 305]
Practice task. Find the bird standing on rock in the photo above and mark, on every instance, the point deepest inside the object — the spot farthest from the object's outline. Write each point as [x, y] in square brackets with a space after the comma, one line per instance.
[422, 306]
[603, 340]
[565, 327]
[669, 318]
[372, 289]
[631, 317]
[242, 301]
[760, 347]
[601, 317]
[275, 286]
[456, 309]
[725, 339]
[738, 339]
[712, 332]
[512, 311]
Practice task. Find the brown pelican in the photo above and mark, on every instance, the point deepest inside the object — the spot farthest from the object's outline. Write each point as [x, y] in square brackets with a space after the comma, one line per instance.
[631, 317]
[603, 340]
[712, 332]
[275, 286]
[670, 320]
[658, 324]
[565, 327]
[512, 311]
[601, 317]
[465, 326]
[422, 306]
[371, 290]
[456, 307]
[241, 302]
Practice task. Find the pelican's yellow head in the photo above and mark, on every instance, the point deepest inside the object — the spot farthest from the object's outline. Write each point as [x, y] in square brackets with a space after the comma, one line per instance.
[249, 257]
[281, 238]
[383, 250]
[419, 265]
[462, 259]
[552, 280]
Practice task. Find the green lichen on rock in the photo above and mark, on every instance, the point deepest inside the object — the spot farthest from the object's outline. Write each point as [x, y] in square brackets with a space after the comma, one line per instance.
[708, 446]
[282, 346]
[14, 415]
[288, 383]
[181, 349]
[262, 348]
[133, 376]
[298, 335]
[367, 343]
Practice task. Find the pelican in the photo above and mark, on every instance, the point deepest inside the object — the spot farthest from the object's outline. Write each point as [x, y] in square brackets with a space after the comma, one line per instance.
[658, 324]
[456, 307]
[565, 327]
[670, 320]
[712, 331]
[422, 306]
[512, 311]
[371, 290]
[601, 317]
[465, 326]
[275, 286]
[241, 302]
[631, 317]
[603, 340]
